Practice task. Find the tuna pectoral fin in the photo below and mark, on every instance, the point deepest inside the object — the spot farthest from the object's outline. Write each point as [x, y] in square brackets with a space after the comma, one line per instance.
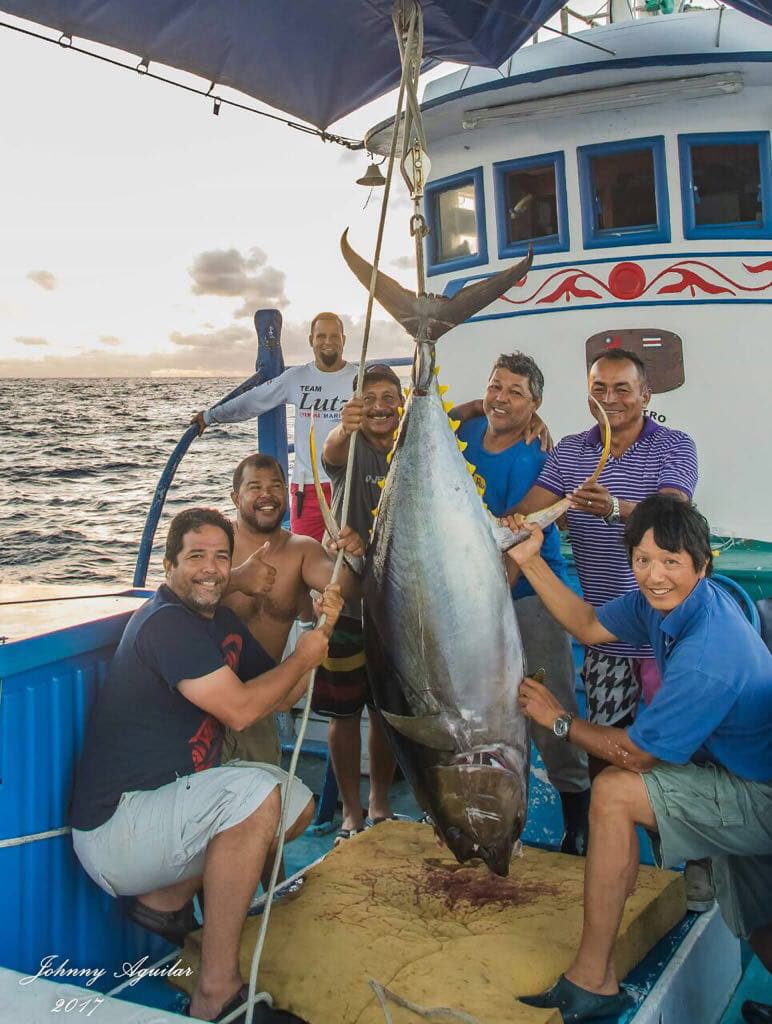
[506, 538]
[429, 731]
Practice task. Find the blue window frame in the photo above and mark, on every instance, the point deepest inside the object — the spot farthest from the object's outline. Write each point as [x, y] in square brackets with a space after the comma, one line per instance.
[531, 204]
[455, 214]
[623, 187]
[726, 185]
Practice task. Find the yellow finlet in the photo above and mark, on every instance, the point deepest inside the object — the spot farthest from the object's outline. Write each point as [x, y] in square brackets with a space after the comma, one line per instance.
[389, 456]
[470, 467]
[442, 388]
[481, 491]
[381, 484]
[447, 406]
[436, 371]
[462, 445]
[454, 425]
[400, 411]
[374, 512]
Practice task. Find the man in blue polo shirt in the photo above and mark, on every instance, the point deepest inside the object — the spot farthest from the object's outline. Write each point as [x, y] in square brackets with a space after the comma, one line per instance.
[506, 466]
[695, 767]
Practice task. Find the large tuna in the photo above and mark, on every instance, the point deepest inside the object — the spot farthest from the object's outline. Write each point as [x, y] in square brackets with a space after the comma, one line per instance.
[444, 652]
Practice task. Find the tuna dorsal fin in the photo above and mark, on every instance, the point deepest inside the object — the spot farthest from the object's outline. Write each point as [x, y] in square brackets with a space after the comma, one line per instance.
[428, 317]
[429, 731]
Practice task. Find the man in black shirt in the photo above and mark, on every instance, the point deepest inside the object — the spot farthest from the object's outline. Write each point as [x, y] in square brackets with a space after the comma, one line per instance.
[154, 816]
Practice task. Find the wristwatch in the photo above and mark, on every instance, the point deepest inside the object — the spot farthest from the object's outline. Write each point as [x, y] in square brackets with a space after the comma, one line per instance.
[613, 516]
[562, 724]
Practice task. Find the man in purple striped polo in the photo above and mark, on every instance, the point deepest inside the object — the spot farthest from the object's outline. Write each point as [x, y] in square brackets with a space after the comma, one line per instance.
[645, 458]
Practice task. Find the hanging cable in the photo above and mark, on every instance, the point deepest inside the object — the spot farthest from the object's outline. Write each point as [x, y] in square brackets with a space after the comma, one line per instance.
[143, 68]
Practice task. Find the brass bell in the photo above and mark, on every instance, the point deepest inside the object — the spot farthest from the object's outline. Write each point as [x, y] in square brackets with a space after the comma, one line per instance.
[372, 177]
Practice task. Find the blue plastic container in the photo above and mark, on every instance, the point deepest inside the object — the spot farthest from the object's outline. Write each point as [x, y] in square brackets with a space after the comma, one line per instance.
[49, 907]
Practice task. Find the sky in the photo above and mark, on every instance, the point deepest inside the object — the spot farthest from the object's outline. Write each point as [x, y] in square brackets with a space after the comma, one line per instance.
[140, 232]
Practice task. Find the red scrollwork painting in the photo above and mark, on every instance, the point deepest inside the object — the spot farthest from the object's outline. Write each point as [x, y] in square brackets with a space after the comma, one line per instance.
[627, 281]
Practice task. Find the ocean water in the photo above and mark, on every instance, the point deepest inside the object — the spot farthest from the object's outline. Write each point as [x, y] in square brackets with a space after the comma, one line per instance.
[80, 459]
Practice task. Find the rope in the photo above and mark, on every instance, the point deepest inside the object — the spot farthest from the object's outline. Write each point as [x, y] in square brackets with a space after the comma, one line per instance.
[143, 68]
[384, 994]
[35, 837]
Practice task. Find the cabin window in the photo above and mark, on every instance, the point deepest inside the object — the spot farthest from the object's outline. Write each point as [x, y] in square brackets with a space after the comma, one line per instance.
[624, 193]
[726, 185]
[455, 213]
[531, 204]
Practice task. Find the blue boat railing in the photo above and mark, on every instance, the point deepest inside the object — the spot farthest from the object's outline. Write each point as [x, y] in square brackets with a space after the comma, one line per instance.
[271, 427]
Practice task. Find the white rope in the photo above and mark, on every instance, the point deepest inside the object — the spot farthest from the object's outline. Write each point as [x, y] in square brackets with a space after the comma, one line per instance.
[34, 838]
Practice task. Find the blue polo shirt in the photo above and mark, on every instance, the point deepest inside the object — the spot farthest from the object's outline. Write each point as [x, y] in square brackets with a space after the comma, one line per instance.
[715, 702]
[505, 478]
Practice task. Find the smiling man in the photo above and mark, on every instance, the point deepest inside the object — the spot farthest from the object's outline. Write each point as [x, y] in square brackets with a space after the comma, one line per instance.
[342, 689]
[506, 466]
[276, 570]
[154, 815]
[695, 767]
[321, 388]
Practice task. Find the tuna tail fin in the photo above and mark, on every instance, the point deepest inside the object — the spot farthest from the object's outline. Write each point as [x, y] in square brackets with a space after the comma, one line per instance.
[428, 317]
[428, 731]
[329, 519]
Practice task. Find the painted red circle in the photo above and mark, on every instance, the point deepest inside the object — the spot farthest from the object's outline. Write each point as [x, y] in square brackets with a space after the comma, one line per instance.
[626, 281]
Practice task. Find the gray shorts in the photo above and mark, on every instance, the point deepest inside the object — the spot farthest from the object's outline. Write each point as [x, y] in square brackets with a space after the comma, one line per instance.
[158, 837]
[706, 811]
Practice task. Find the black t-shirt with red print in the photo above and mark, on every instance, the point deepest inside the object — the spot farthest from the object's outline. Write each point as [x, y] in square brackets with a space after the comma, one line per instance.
[142, 733]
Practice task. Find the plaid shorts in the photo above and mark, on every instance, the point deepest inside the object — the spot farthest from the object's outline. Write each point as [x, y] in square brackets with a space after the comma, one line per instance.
[341, 689]
[613, 686]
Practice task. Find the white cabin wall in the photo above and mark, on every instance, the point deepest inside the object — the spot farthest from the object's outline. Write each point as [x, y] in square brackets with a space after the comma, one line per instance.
[726, 350]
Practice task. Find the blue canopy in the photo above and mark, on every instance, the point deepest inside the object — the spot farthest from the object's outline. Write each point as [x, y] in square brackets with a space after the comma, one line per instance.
[314, 59]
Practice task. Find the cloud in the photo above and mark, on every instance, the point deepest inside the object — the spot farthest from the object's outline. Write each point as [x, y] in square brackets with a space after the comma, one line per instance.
[225, 352]
[222, 339]
[228, 273]
[110, 340]
[32, 342]
[44, 278]
[404, 263]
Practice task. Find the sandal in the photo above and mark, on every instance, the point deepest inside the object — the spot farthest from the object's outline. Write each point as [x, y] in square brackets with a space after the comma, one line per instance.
[262, 1013]
[369, 822]
[172, 925]
[345, 833]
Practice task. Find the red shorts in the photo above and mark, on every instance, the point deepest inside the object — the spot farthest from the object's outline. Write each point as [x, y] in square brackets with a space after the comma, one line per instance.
[309, 523]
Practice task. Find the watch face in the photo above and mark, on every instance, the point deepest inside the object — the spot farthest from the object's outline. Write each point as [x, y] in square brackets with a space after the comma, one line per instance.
[561, 727]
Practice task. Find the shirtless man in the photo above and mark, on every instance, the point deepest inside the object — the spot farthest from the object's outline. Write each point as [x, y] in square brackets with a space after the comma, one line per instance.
[270, 586]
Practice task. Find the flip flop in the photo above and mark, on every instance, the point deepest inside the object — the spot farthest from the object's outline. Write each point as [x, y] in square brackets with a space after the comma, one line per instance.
[172, 925]
[262, 1013]
[370, 822]
[345, 833]
[578, 1005]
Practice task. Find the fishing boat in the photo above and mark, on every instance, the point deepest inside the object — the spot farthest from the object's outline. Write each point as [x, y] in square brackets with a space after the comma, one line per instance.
[634, 157]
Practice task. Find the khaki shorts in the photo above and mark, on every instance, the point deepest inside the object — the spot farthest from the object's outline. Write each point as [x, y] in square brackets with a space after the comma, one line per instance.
[706, 811]
[158, 837]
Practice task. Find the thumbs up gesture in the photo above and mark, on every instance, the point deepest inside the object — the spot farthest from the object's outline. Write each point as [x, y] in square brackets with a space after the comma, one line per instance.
[254, 576]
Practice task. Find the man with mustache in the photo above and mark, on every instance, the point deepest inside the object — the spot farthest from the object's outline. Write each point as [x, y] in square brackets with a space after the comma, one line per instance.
[320, 387]
[275, 572]
[342, 690]
[155, 815]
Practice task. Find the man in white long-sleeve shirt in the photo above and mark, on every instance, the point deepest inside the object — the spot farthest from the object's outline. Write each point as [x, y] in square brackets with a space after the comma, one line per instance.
[322, 387]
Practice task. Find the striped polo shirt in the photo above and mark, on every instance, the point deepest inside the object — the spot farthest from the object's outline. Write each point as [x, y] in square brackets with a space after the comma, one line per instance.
[658, 459]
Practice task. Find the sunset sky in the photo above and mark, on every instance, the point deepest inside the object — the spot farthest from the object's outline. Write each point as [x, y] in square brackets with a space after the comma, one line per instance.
[140, 232]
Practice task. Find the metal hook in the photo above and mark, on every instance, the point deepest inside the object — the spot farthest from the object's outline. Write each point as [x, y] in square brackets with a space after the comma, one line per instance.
[143, 67]
[65, 40]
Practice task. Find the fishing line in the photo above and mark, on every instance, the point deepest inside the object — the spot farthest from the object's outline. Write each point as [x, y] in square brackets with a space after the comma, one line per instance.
[143, 68]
